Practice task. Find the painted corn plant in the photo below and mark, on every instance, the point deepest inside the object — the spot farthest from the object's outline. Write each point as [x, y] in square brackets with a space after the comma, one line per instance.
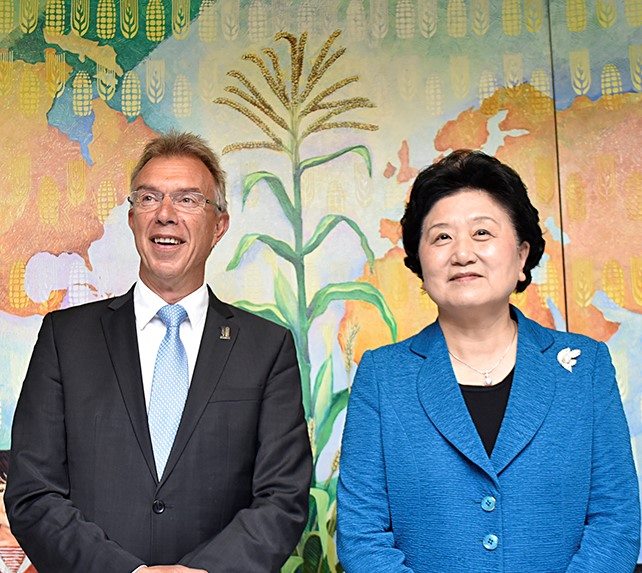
[288, 103]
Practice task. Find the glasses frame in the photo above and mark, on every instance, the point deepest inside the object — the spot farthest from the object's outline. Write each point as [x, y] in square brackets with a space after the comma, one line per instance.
[132, 199]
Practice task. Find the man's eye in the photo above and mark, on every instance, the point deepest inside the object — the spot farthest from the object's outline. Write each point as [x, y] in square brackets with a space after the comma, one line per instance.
[148, 198]
[187, 200]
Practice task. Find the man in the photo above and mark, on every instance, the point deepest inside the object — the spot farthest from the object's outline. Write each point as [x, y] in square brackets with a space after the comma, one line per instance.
[106, 475]
[12, 557]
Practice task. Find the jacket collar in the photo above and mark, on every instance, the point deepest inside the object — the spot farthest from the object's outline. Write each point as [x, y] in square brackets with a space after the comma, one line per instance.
[531, 394]
[119, 328]
[530, 397]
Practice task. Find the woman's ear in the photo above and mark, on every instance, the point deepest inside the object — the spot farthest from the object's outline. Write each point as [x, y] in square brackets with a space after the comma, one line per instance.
[522, 253]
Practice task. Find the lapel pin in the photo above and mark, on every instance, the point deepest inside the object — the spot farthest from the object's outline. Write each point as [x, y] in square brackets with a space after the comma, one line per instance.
[568, 358]
[225, 333]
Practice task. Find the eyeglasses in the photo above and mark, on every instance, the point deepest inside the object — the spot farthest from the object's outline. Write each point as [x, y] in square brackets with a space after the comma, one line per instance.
[184, 201]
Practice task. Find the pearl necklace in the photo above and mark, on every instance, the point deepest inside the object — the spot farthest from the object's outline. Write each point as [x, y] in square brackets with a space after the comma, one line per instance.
[488, 381]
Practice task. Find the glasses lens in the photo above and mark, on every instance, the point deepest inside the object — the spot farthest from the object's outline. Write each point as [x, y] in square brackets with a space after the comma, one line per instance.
[147, 200]
[187, 200]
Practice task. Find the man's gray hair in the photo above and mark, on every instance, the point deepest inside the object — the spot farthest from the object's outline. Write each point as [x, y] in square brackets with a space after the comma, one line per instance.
[177, 144]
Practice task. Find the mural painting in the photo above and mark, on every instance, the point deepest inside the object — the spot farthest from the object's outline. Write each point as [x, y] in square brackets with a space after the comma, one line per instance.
[324, 113]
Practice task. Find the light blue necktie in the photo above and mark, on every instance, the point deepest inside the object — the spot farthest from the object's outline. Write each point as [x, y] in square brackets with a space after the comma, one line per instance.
[169, 386]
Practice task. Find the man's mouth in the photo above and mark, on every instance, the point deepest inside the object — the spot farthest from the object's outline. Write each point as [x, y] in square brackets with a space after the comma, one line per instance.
[167, 241]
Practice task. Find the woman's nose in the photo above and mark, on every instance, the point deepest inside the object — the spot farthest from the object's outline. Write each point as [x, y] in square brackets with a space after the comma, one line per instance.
[463, 251]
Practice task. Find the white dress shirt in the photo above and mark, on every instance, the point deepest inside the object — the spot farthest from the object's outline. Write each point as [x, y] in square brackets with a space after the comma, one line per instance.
[150, 330]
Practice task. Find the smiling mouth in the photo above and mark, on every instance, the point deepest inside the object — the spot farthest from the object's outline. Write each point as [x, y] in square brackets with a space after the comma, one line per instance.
[167, 241]
[465, 276]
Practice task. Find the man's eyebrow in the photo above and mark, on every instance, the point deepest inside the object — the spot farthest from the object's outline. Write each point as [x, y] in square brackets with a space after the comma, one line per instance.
[144, 188]
[157, 190]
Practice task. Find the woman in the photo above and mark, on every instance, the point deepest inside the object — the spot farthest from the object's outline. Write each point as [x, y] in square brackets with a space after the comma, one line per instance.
[486, 442]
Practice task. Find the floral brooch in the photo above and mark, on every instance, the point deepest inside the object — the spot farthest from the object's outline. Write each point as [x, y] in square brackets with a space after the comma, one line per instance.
[567, 358]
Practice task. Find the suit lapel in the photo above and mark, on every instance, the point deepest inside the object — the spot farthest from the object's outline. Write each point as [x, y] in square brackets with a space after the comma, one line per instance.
[119, 327]
[219, 337]
[442, 400]
[531, 394]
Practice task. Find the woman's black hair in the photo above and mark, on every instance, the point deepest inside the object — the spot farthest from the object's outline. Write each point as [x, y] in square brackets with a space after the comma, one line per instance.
[467, 169]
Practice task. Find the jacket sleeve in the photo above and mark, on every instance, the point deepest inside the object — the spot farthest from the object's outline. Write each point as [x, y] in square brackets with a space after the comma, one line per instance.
[52, 532]
[261, 537]
[611, 538]
[364, 534]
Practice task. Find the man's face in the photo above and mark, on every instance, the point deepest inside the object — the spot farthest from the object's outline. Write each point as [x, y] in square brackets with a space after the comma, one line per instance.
[174, 245]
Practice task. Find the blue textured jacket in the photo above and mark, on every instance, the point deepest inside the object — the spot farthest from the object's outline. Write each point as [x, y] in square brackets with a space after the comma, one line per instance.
[418, 493]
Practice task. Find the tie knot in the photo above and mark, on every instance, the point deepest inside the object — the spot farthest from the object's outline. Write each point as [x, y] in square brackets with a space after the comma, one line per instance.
[172, 315]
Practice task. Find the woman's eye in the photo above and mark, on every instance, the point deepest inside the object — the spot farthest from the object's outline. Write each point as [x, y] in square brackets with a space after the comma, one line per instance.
[442, 237]
[482, 233]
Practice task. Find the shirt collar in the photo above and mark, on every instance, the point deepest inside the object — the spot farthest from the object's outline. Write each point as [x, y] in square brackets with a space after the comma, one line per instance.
[147, 304]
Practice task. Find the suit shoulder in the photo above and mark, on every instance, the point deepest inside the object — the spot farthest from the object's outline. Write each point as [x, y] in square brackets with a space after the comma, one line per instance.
[257, 323]
[566, 338]
[395, 353]
[558, 342]
[407, 352]
[82, 311]
[574, 338]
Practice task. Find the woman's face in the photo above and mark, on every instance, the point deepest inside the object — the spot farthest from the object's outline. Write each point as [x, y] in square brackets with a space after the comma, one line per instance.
[469, 252]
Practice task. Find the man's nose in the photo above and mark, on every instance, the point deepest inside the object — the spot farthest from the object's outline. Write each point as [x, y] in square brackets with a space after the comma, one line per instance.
[166, 212]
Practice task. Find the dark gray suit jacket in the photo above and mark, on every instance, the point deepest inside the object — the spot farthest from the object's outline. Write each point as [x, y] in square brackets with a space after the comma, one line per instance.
[83, 494]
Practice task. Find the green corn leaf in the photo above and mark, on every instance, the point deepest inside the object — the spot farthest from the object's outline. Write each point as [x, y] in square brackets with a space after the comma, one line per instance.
[286, 300]
[352, 291]
[277, 188]
[312, 553]
[322, 501]
[324, 429]
[331, 488]
[267, 310]
[329, 222]
[331, 557]
[361, 150]
[322, 388]
[281, 248]
[292, 564]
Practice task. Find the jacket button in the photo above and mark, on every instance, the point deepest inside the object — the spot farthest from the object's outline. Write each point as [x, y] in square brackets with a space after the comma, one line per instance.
[488, 503]
[490, 542]
[158, 506]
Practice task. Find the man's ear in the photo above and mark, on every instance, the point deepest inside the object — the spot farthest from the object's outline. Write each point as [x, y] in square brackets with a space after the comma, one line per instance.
[222, 225]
